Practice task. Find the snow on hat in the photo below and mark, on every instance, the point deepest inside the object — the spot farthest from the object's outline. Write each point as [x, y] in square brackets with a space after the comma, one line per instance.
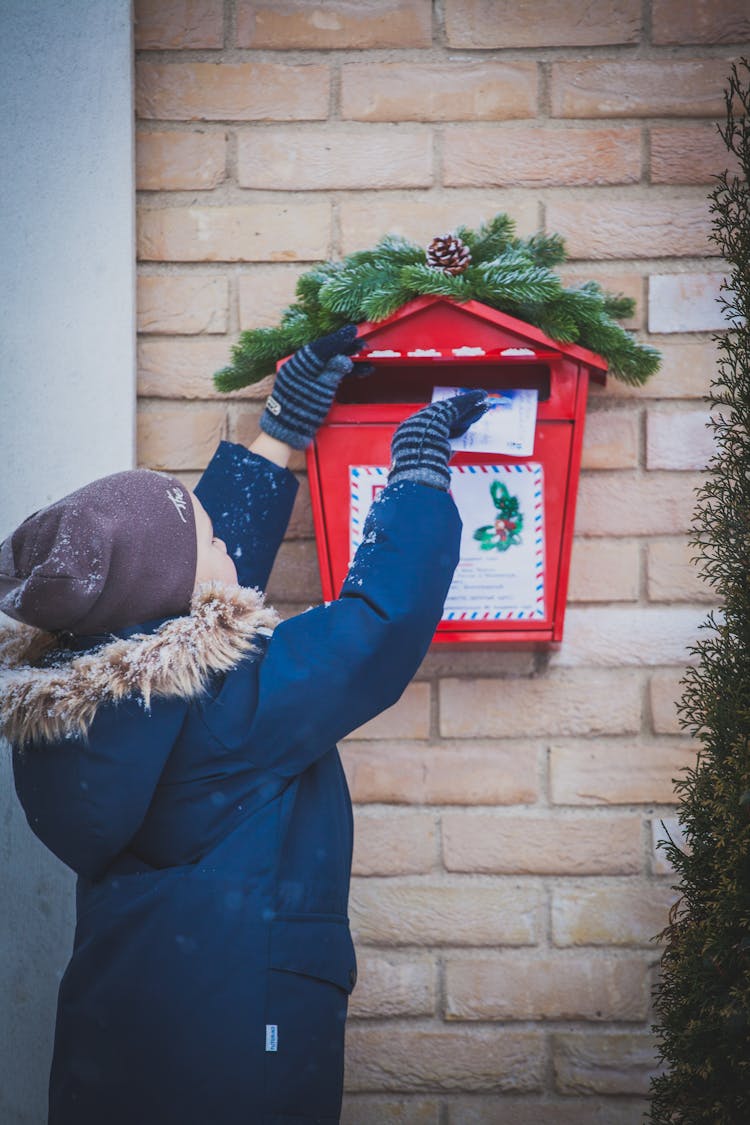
[119, 551]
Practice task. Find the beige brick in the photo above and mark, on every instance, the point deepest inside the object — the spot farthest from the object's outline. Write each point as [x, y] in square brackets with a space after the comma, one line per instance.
[187, 478]
[610, 914]
[179, 161]
[394, 843]
[264, 293]
[456, 911]
[448, 90]
[685, 302]
[687, 368]
[541, 843]
[591, 702]
[256, 91]
[184, 24]
[610, 440]
[324, 158]
[179, 436]
[665, 829]
[679, 440]
[625, 503]
[618, 772]
[598, 1062]
[638, 88]
[301, 523]
[169, 305]
[431, 1057]
[260, 232]
[566, 23]
[529, 1111]
[636, 227]
[700, 21]
[487, 773]
[185, 368]
[394, 984]
[286, 24]
[603, 636]
[546, 986]
[673, 576]
[688, 154]
[604, 570]
[619, 282]
[244, 427]
[470, 660]
[371, 1109]
[409, 718]
[476, 157]
[665, 691]
[244, 424]
[365, 219]
[295, 576]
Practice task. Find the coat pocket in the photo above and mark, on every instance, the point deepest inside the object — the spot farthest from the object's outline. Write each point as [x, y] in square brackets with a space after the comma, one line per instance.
[314, 945]
[312, 970]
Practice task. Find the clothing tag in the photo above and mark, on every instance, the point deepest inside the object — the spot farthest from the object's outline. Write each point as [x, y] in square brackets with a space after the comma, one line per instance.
[272, 1037]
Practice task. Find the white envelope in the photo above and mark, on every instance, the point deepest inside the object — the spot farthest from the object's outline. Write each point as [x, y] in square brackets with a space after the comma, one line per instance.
[507, 427]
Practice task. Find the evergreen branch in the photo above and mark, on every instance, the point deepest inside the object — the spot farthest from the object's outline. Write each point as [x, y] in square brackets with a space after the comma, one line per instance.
[557, 321]
[490, 240]
[544, 249]
[380, 303]
[618, 306]
[507, 273]
[391, 250]
[345, 292]
[253, 357]
[520, 281]
[424, 280]
[309, 285]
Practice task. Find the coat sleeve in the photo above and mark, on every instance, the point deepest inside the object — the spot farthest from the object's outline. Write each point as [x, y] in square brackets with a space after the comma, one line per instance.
[328, 671]
[85, 799]
[249, 500]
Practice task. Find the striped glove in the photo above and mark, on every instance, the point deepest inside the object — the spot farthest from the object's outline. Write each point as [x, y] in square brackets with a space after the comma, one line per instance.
[306, 385]
[421, 448]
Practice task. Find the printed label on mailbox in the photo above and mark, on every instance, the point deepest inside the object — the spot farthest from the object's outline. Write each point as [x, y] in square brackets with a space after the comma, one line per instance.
[500, 575]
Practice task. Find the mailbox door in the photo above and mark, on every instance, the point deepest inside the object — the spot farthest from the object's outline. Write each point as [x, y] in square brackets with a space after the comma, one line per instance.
[339, 446]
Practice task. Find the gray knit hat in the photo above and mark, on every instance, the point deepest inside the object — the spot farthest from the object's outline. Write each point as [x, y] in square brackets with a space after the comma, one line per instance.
[117, 552]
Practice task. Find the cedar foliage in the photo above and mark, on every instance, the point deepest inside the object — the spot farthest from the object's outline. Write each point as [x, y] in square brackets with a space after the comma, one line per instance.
[703, 999]
[511, 274]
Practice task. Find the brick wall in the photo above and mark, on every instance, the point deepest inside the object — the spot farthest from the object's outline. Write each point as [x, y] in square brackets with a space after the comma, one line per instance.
[506, 882]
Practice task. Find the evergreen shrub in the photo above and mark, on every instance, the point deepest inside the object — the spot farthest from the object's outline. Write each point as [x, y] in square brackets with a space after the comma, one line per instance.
[703, 998]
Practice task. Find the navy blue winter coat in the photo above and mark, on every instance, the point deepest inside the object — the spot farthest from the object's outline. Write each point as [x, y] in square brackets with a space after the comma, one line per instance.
[210, 826]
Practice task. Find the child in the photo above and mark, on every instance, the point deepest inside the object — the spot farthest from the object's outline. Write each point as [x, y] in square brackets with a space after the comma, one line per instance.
[175, 746]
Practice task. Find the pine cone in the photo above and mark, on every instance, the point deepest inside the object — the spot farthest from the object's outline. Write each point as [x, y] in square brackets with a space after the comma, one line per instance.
[449, 254]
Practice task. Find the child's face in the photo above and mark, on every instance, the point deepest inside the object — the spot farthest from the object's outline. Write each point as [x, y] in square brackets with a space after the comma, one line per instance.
[214, 564]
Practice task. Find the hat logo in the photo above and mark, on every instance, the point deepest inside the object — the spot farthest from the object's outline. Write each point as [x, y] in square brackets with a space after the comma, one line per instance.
[177, 496]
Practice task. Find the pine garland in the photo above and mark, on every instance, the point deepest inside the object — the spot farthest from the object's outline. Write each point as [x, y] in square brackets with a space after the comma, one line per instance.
[513, 275]
[703, 1000]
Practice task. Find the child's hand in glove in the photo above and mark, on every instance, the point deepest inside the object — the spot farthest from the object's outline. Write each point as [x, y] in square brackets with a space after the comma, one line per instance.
[306, 385]
[421, 448]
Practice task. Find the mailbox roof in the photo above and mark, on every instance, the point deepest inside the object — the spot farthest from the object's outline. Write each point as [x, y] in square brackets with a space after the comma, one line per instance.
[439, 322]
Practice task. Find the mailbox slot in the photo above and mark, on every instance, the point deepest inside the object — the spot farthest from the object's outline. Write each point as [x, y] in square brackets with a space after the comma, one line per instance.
[415, 383]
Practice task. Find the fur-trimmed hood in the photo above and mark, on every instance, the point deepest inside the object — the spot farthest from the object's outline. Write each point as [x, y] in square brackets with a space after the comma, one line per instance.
[45, 702]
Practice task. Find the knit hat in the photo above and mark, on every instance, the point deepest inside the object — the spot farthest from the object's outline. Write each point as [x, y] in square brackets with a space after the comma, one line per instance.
[119, 551]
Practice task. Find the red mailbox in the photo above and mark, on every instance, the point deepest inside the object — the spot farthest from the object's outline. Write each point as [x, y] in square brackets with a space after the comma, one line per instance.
[512, 581]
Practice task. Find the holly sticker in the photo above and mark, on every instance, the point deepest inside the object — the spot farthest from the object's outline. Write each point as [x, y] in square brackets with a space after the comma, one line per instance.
[505, 530]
